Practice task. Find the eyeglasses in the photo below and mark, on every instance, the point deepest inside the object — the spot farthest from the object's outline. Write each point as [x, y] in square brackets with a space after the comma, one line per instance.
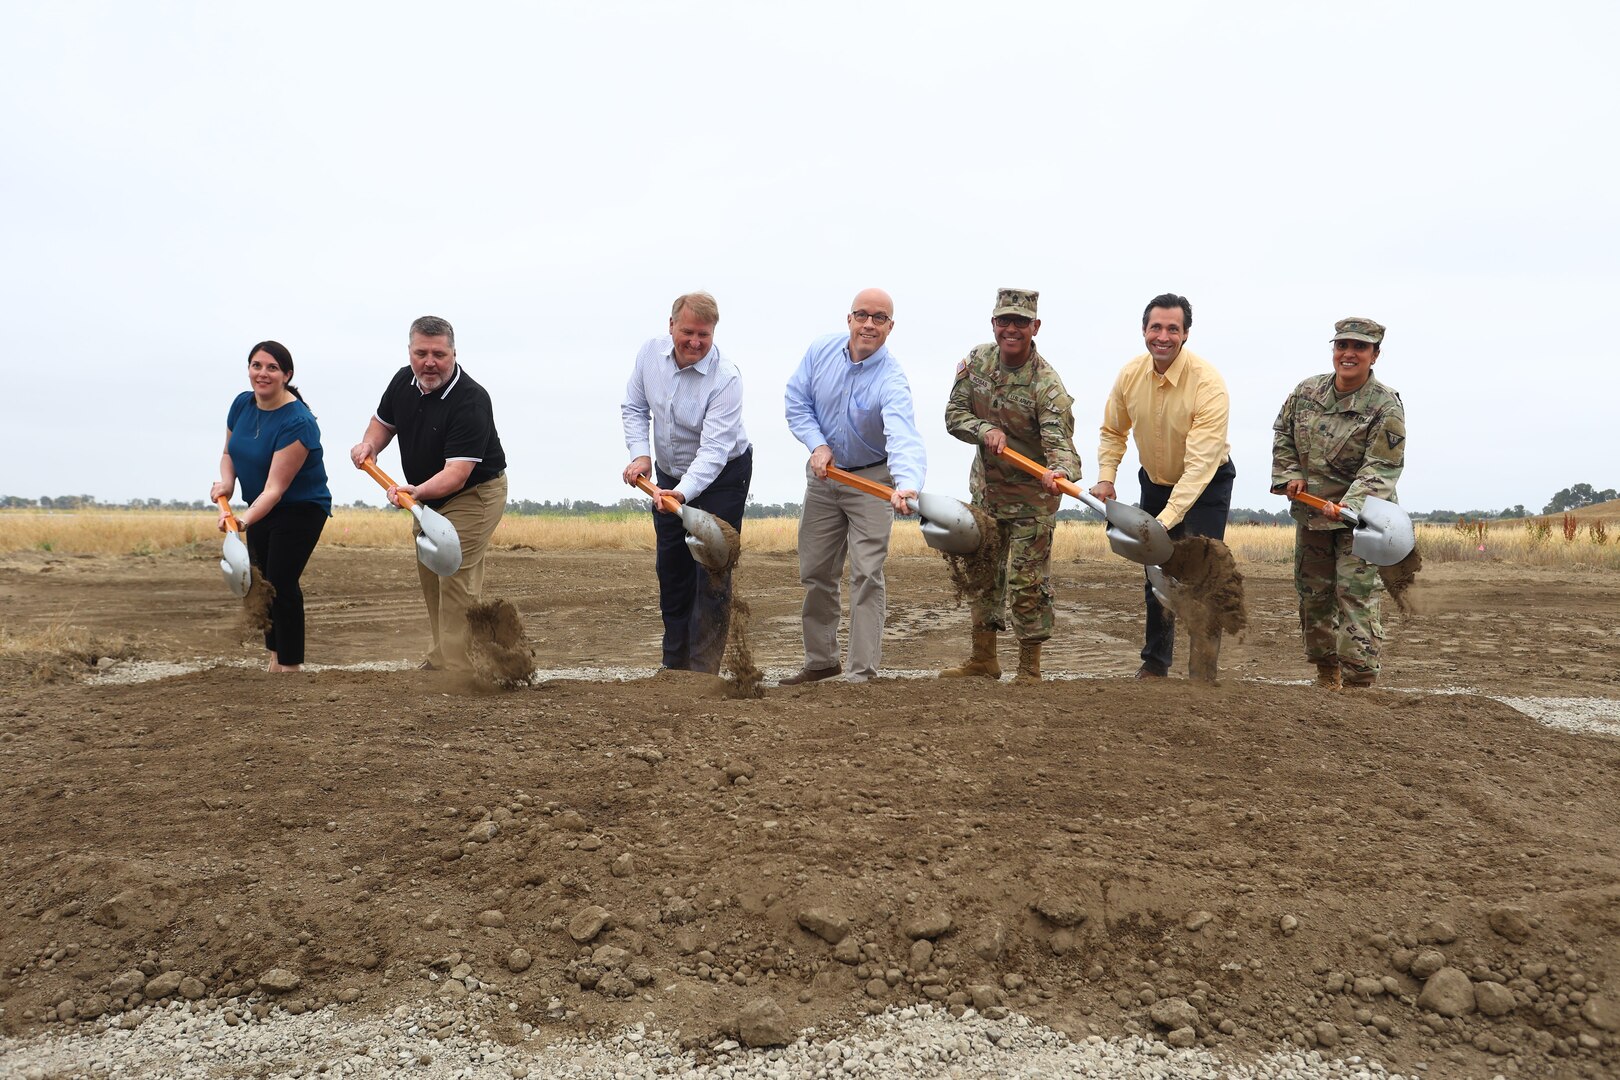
[1020, 321]
[876, 318]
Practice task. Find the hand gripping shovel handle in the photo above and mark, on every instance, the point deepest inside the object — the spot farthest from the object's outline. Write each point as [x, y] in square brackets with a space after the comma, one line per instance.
[859, 483]
[370, 465]
[1065, 485]
[1316, 502]
[672, 505]
[231, 524]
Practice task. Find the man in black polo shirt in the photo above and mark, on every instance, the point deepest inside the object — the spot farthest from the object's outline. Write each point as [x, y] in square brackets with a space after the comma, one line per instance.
[453, 462]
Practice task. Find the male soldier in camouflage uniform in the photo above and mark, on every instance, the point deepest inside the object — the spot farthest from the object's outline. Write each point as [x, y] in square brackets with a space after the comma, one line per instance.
[1341, 436]
[1007, 394]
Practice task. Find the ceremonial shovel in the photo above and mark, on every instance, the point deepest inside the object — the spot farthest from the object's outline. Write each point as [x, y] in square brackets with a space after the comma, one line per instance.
[1132, 532]
[947, 524]
[1382, 533]
[703, 532]
[438, 547]
[235, 566]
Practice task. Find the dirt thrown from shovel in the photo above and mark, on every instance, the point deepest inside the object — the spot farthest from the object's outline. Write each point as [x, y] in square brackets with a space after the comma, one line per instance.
[745, 679]
[974, 574]
[256, 604]
[1401, 580]
[1208, 597]
[733, 545]
[497, 646]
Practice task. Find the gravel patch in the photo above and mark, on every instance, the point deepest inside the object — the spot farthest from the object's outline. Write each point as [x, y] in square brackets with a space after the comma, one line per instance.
[913, 1041]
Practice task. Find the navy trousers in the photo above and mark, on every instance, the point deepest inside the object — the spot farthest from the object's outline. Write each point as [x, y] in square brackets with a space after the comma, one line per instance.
[697, 608]
[280, 545]
[1206, 517]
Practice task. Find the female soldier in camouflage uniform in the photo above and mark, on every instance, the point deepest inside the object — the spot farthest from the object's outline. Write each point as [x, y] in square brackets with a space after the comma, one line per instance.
[1341, 436]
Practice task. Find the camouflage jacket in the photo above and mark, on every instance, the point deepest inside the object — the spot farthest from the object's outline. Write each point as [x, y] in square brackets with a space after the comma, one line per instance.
[1344, 448]
[1030, 404]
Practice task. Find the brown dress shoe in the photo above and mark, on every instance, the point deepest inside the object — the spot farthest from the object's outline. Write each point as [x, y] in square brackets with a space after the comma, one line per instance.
[1145, 672]
[809, 675]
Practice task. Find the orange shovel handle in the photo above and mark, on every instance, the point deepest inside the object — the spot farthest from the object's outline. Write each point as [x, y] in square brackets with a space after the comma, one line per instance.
[231, 524]
[647, 486]
[370, 465]
[1316, 502]
[859, 483]
[1035, 468]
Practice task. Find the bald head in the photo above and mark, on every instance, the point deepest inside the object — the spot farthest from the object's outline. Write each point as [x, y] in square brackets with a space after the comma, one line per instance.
[871, 318]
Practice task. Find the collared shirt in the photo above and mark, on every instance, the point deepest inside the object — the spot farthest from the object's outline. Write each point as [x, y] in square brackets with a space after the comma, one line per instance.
[861, 410]
[695, 412]
[1180, 423]
[454, 423]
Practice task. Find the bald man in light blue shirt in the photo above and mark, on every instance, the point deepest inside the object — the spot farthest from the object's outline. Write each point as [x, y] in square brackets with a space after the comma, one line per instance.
[850, 405]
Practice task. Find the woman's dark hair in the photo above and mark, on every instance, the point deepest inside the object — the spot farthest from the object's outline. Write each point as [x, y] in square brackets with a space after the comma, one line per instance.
[278, 352]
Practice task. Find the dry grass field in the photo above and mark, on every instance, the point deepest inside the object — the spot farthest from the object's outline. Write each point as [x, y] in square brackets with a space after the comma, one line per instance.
[1544, 541]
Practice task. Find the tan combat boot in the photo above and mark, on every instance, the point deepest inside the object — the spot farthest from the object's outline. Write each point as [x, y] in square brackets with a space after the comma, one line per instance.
[1029, 663]
[983, 661]
[1328, 676]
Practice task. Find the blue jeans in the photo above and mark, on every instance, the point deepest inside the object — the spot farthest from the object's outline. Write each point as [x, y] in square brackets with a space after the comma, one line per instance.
[1206, 517]
[697, 607]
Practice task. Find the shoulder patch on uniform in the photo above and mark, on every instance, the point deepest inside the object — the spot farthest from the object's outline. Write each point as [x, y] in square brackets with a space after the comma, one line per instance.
[1395, 438]
[961, 368]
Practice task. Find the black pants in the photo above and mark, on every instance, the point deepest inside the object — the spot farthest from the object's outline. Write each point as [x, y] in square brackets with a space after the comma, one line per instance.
[1206, 517]
[279, 544]
[696, 608]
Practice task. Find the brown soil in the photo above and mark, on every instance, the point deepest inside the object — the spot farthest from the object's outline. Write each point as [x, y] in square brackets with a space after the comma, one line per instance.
[1207, 598]
[1401, 581]
[256, 604]
[733, 544]
[1281, 858]
[974, 574]
[497, 646]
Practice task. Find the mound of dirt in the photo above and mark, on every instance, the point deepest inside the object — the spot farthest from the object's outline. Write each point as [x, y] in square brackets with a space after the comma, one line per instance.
[497, 645]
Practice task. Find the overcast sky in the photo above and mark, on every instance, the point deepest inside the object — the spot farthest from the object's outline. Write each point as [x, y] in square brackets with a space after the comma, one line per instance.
[181, 180]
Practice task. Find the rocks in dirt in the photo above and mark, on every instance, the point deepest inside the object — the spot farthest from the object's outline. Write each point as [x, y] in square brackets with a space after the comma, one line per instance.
[518, 961]
[492, 919]
[848, 951]
[1437, 933]
[1288, 924]
[762, 1023]
[1426, 962]
[588, 922]
[130, 982]
[1065, 911]
[161, 986]
[1493, 999]
[1197, 920]
[1511, 922]
[990, 943]
[930, 925]
[826, 925]
[483, 832]
[623, 866]
[922, 954]
[279, 981]
[570, 821]
[1602, 1012]
[1448, 992]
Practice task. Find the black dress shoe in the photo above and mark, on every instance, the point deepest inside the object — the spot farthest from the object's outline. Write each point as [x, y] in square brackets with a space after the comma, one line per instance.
[809, 675]
[1146, 672]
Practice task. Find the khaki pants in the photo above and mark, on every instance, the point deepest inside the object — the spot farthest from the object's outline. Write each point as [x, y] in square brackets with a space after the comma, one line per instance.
[838, 520]
[474, 513]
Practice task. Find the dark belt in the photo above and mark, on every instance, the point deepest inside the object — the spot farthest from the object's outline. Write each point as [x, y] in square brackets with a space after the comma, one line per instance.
[858, 468]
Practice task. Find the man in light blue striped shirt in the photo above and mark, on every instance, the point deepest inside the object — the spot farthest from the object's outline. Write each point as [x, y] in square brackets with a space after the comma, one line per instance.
[850, 405]
[692, 397]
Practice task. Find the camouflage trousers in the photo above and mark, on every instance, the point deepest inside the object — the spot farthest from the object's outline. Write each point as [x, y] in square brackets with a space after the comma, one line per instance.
[1338, 602]
[1023, 560]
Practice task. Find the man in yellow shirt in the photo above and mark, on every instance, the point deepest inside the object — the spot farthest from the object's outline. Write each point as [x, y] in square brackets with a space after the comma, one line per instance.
[1176, 403]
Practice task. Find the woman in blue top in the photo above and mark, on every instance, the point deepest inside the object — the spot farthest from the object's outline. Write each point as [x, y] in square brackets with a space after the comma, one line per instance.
[273, 446]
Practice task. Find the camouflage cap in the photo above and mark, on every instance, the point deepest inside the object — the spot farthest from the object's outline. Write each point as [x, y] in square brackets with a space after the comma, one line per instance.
[1358, 330]
[1015, 302]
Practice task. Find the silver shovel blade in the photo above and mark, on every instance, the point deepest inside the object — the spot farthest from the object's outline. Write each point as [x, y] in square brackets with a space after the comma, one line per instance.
[1383, 533]
[1137, 535]
[236, 568]
[705, 537]
[437, 544]
[1164, 587]
[947, 524]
